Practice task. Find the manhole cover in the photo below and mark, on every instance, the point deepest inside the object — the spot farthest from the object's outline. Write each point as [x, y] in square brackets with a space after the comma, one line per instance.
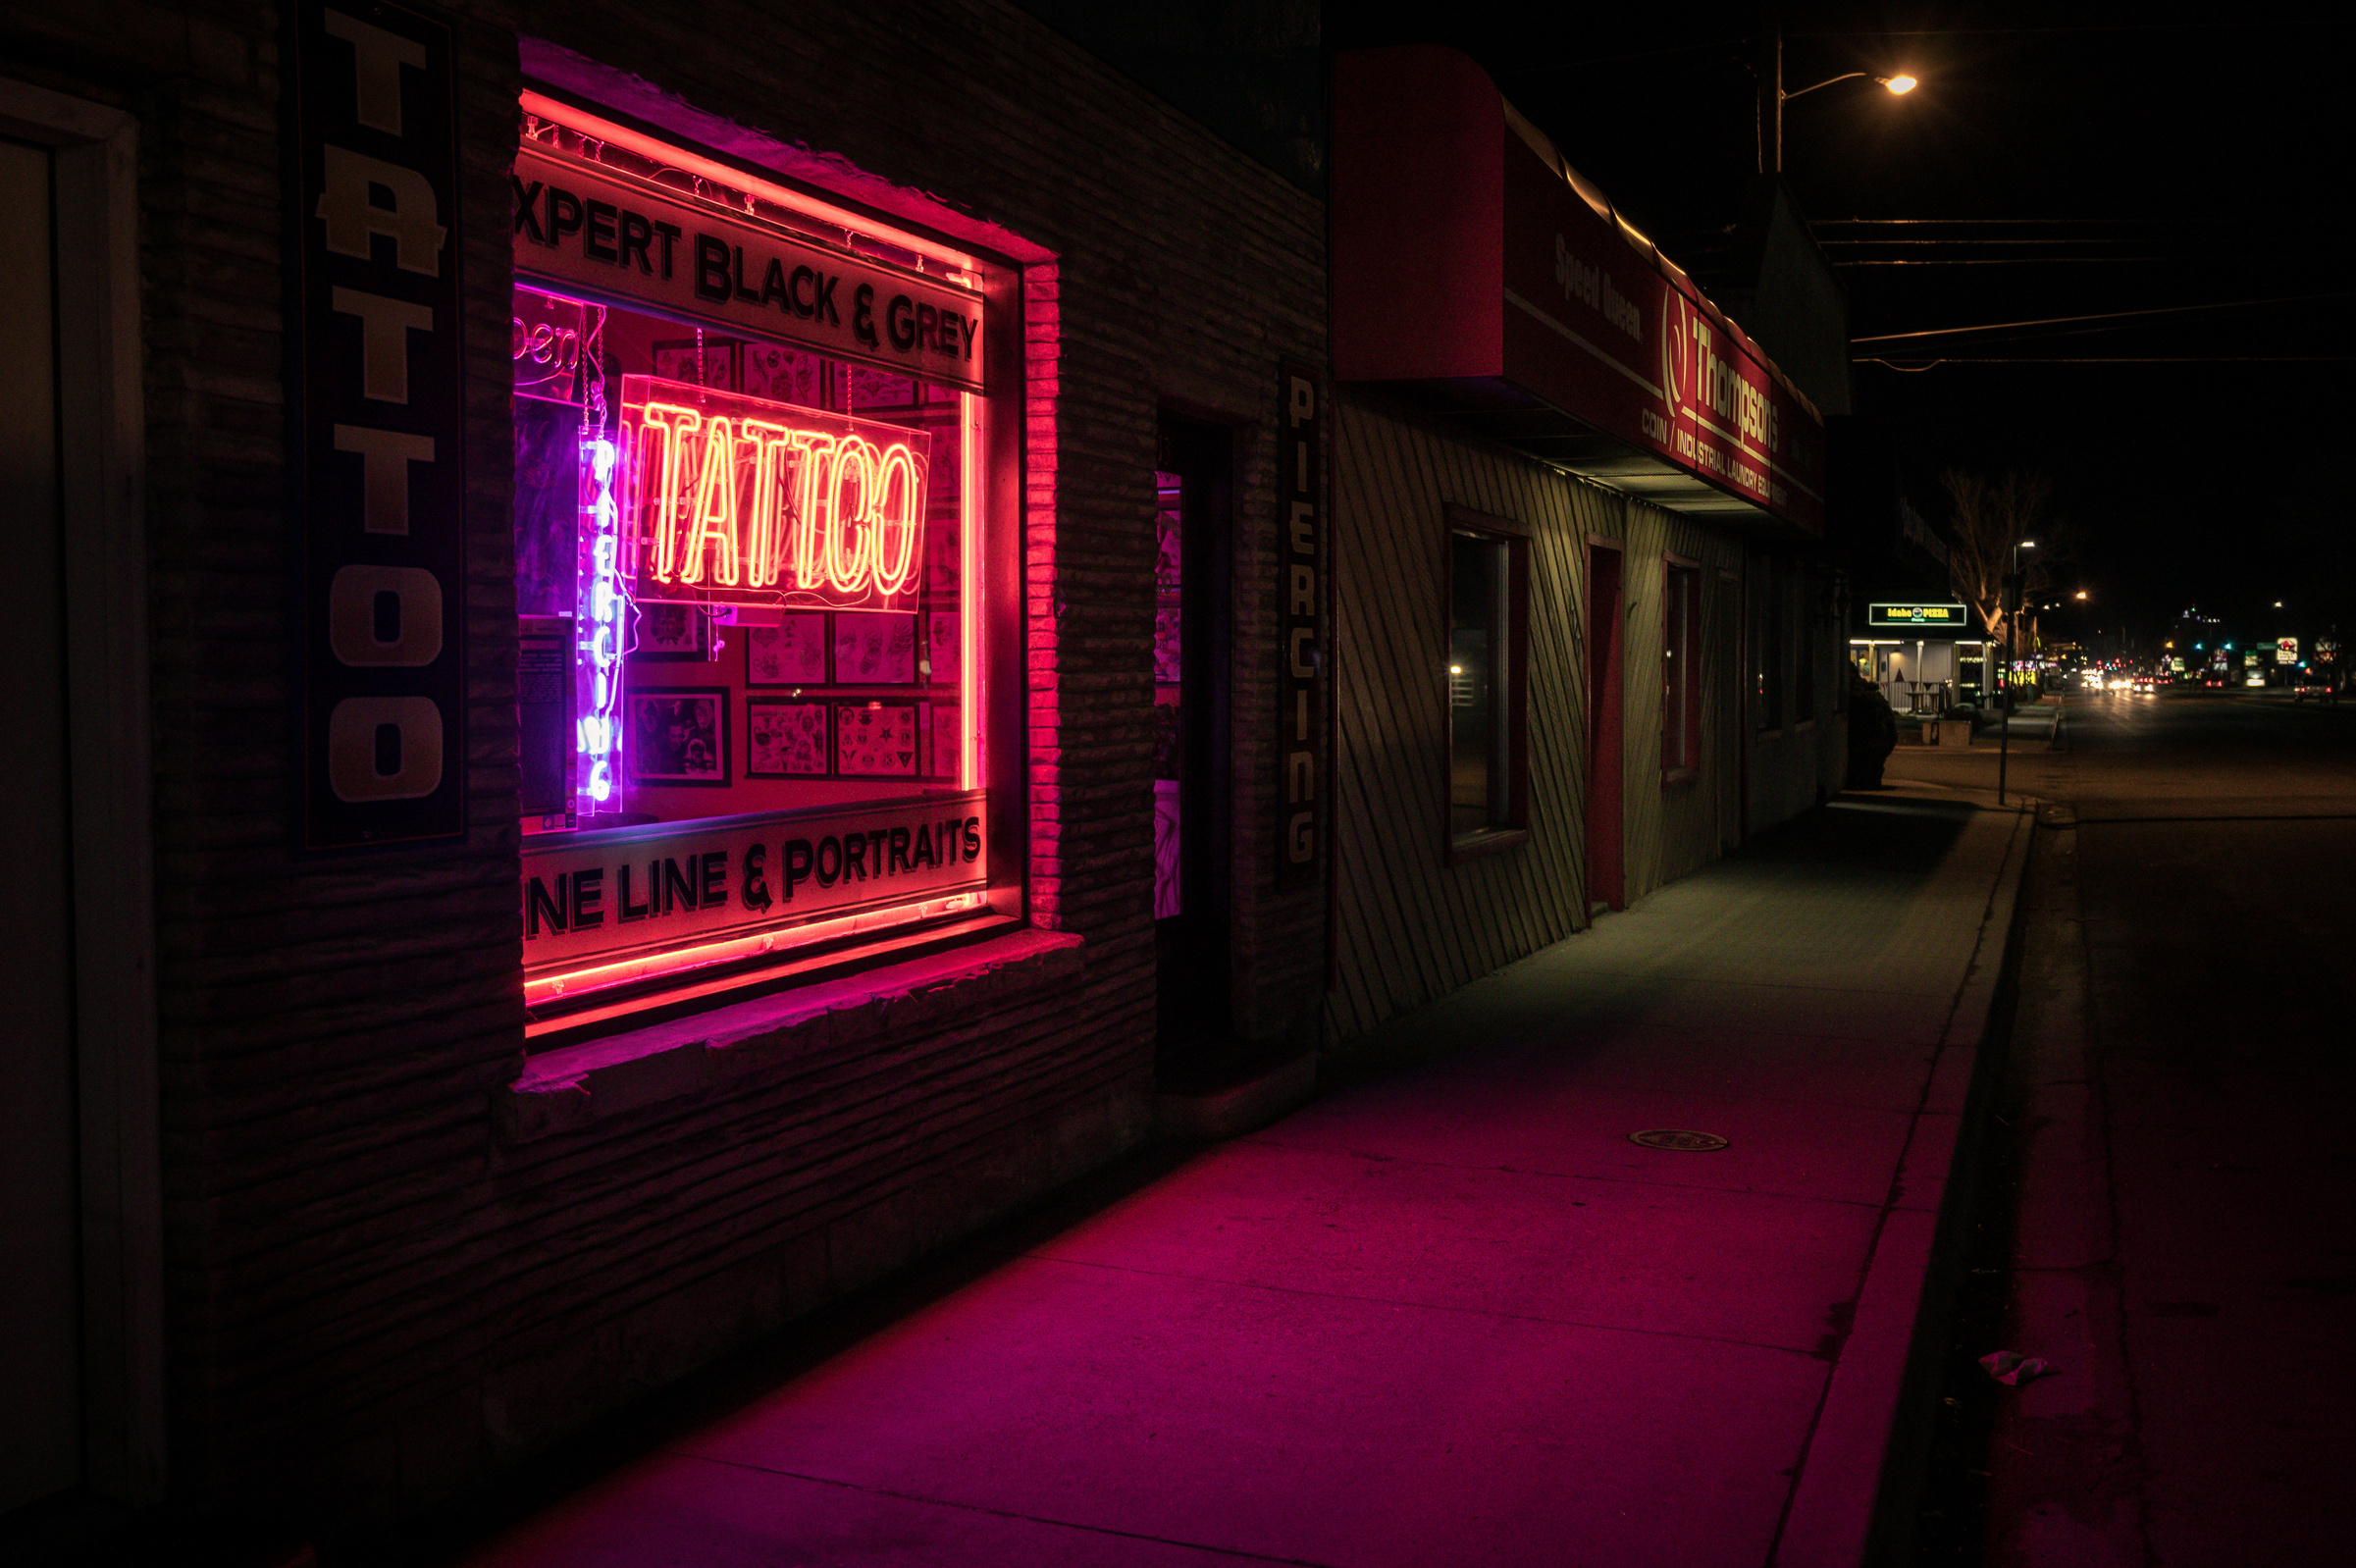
[1672, 1138]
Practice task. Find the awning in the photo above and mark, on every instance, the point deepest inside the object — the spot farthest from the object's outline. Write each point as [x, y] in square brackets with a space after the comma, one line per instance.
[1476, 273]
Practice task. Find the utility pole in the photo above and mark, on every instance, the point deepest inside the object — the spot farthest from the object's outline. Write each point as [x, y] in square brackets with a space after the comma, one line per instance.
[1769, 67]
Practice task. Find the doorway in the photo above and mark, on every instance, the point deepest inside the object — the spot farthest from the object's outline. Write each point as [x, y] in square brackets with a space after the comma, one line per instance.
[1606, 882]
[40, 1338]
[81, 1320]
[1193, 531]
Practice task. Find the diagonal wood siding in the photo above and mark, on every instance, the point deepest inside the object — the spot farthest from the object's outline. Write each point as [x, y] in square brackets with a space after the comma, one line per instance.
[1409, 927]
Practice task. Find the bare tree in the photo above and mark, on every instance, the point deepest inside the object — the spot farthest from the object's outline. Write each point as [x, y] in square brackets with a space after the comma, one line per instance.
[1990, 518]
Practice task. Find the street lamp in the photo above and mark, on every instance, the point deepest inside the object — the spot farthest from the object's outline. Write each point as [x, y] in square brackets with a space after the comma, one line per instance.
[1773, 97]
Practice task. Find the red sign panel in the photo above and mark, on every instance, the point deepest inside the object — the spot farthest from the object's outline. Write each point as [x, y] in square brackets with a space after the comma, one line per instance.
[1468, 259]
[1594, 325]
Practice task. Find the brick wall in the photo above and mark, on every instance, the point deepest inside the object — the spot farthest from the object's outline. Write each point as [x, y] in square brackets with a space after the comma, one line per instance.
[377, 1294]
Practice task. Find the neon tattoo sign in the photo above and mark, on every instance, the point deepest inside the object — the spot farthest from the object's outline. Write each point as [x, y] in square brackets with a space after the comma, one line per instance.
[602, 620]
[734, 500]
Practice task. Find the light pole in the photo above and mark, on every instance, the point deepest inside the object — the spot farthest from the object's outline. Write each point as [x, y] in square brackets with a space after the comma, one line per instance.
[1773, 97]
[2003, 714]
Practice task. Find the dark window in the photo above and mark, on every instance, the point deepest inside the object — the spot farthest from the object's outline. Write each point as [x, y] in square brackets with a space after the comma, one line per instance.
[1488, 642]
[1804, 667]
[1768, 675]
[1681, 669]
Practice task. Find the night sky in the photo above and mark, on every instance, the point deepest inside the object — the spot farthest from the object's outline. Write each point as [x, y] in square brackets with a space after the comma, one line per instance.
[2130, 162]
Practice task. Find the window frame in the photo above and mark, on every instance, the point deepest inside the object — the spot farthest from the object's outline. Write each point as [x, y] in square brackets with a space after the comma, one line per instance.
[1510, 700]
[998, 459]
[1768, 681]
[1681, 590]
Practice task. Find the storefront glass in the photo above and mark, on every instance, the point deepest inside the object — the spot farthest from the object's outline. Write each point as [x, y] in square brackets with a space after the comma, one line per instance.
[746, 512]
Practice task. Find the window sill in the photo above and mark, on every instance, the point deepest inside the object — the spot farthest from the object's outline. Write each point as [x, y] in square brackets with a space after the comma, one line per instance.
[575, 1086]
[1476, 845]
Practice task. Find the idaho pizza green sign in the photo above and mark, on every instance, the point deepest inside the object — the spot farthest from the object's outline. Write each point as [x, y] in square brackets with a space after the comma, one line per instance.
[1927, 617]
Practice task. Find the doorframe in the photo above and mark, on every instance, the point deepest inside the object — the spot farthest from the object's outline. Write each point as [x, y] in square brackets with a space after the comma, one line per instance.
[102, 471]
[1206, 457]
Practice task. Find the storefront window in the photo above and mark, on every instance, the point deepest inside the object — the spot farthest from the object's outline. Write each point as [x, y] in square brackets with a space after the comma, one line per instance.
[1681, 670]
[747, 511]
[1488, 664]
[1766, 605]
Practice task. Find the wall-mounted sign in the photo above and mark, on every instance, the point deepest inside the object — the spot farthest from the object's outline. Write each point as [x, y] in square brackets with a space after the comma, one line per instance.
[1303, 655]
[378, 423]
[608, 235]
[1468, 258]
[669, 885]
[734, 500]
[1932, 617]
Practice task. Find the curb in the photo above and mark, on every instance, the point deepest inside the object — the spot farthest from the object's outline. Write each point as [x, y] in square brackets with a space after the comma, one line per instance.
[1860, 1474]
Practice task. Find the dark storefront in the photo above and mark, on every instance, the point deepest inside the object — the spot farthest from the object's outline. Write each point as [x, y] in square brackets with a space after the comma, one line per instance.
[647, 545]
[691, 662]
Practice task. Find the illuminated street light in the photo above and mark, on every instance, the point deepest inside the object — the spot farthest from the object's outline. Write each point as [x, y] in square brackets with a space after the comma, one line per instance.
[1899, 84]
[2081, 593]
[1773, 97]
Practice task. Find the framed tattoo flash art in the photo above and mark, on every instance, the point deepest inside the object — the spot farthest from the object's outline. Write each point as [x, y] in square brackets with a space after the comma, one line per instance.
[679, 735]
[784, 738]
[792, 652]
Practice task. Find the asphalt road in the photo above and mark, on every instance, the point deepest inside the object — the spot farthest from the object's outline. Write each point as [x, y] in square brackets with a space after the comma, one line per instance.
[2179, 1239]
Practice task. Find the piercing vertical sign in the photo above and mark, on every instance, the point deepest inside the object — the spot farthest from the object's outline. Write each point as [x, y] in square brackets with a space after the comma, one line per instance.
[1303, 659]
[379, 411]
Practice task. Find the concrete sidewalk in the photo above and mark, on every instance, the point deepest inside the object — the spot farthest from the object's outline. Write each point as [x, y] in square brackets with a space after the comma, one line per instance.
[1447, 1313]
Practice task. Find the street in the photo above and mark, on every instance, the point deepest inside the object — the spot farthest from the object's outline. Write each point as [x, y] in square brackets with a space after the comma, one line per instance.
[2170, 1176]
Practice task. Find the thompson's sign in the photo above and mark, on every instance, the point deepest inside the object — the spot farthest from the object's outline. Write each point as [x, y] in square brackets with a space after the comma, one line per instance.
[378, 423]
[1922, 617]
[649, 889]
[608, 235]
[1600, 330]
[1468, 258]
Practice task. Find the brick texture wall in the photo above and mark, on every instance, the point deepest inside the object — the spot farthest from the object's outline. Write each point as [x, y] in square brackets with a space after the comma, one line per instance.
[376, 1294]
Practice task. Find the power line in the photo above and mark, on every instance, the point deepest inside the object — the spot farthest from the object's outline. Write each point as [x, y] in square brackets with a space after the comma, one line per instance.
[2109, 315]
[2085, 27]
[2022, 223]
[2027, 261]
[2111, 359]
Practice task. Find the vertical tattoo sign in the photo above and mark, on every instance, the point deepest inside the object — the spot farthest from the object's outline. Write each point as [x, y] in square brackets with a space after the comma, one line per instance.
[379, 421]
[1302, 657]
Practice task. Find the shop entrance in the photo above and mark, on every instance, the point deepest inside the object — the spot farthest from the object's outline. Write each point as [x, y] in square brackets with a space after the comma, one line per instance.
[1193, 527]
[40, 1441]
[1606, 886]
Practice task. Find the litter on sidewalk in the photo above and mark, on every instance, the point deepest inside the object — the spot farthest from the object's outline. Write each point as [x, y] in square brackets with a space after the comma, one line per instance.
[2013, 1369]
